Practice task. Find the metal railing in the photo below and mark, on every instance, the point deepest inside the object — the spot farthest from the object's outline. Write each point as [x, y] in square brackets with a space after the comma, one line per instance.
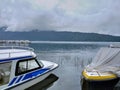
[8, 53]
[14, 44]
[16, 47]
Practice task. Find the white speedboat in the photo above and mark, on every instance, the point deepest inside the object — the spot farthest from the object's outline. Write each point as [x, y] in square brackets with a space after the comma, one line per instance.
[104, 70]
[20, 69]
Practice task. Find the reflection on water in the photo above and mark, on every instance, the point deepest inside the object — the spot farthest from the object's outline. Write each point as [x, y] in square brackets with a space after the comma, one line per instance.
[117, 87]
[99, 85]
[46, 83]
[72, 58]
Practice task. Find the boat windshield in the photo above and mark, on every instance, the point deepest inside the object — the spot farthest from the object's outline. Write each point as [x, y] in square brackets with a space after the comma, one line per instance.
[5, 69]
[28, 65]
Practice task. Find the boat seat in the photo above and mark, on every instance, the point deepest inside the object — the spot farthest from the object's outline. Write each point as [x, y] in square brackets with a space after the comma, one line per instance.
[7, 73]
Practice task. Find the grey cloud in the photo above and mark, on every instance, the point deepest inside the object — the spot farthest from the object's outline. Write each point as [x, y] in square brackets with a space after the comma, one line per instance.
[19, 15]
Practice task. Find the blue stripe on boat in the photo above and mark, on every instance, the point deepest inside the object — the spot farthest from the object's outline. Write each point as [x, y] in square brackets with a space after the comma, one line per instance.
[18, 58]
[34, 74]
[12, 81]
[19, 79]
[29, 75]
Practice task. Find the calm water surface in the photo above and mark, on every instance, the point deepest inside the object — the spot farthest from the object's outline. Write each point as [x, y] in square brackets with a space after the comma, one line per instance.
[71, 57]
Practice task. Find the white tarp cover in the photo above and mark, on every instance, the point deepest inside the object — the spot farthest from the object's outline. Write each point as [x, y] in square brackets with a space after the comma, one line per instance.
[107, 59]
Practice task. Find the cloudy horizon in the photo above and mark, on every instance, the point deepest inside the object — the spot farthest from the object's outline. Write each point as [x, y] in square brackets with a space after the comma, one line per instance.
[94, 16]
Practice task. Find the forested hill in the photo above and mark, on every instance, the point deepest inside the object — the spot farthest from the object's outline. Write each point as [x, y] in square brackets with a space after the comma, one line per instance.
[56, 36]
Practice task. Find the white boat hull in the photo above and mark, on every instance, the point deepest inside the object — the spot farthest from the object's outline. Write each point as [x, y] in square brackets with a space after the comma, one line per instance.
[30, 82]
[20, 69]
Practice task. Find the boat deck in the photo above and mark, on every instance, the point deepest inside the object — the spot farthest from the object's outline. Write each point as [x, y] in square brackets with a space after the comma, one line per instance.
[98, 76]
[7, 53]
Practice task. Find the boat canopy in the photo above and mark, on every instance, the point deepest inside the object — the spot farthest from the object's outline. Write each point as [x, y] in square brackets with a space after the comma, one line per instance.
[106, 60]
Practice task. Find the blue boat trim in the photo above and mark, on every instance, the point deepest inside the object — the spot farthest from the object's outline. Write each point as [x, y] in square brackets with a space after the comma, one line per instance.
[19, 79]
[12, 81]
[34, 74]
[12, 59]
[29, 76]
[11, 87]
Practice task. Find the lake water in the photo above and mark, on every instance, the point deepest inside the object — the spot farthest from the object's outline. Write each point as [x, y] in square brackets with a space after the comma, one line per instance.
[72, 57]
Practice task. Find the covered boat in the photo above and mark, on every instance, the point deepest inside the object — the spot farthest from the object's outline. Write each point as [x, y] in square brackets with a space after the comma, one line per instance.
[104, 70]
[20, 68]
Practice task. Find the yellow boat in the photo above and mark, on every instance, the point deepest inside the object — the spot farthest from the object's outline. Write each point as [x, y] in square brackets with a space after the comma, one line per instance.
[94, 80]
[104, 70]
[98, 76]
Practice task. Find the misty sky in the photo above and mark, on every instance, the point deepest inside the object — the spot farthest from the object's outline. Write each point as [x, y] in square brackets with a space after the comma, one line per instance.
[99, 16]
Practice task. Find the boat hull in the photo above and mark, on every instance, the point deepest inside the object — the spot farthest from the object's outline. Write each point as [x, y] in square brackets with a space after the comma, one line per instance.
[99, 85]
[104, 82]
[29, 83]
[35, 76]
[44, 84]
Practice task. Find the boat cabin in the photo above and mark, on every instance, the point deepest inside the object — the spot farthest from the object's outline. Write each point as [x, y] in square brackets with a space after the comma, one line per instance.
[20, 69]
[17, 62]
